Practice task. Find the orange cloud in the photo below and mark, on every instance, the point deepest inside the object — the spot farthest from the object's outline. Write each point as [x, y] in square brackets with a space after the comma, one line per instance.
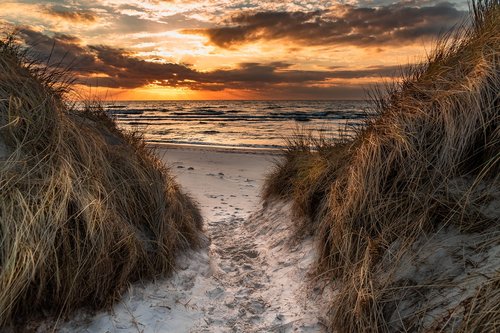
[72, 15]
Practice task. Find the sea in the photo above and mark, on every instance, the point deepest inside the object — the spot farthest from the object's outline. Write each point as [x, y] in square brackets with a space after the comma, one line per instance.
[238, 124]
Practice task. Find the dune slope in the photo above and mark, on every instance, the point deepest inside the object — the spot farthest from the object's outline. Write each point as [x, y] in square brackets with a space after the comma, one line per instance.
[84, 207]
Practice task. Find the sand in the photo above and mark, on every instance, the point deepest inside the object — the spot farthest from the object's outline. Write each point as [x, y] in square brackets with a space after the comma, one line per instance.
[248, 278]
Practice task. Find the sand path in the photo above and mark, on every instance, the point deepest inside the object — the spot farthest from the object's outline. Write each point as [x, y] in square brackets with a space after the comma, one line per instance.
[249, 277]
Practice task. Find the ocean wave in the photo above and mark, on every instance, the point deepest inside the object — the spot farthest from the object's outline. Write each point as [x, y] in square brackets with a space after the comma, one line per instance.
[124, 112]
[199, 113]
[216, 144]
[246, 117]
[116, 106]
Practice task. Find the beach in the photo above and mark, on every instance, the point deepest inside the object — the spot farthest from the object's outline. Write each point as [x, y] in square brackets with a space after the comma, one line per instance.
[248, 277]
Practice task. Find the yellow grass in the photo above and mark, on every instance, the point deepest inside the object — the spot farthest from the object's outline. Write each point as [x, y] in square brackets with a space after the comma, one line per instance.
[84, 208]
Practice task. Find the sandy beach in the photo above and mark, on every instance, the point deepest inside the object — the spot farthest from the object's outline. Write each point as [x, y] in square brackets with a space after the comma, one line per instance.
[248, 278]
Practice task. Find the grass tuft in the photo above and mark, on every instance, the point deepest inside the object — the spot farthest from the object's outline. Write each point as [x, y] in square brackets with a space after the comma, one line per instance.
[303, 175]
[85, 208]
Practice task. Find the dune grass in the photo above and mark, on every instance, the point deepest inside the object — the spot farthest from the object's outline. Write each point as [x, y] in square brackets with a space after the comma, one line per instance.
[85, 208]
[427, 164]
[303, 175]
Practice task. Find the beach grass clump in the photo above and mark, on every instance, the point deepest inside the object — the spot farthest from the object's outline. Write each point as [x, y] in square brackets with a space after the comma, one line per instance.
[409, 231]
[303, 175]
[85, 208]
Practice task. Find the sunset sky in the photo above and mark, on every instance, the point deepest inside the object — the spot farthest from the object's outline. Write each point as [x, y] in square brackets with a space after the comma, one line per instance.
[230, 49]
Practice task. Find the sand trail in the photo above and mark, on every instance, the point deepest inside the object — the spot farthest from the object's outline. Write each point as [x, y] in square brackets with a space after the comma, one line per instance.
[257, 274]
[258, 283]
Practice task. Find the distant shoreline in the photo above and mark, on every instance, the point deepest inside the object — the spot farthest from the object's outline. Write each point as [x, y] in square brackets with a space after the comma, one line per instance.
[217, 148]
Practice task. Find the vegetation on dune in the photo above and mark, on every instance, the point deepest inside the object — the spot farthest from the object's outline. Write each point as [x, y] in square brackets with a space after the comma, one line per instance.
[85, 209]
[426, 168]
[303, 175]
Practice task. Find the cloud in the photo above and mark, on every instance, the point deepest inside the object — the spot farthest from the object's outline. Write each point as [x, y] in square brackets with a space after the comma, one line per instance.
[118, 68]
[58, 50]
[70, 14]
[340, 25]
[125, 24]
[126, 71]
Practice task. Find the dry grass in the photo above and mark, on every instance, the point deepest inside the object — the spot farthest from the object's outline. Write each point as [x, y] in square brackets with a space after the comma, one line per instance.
[483, 309]
[303, 175]
[428, 162]
[84, 208]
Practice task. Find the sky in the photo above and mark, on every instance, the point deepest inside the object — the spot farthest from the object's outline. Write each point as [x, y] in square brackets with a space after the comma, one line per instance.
[230, 49]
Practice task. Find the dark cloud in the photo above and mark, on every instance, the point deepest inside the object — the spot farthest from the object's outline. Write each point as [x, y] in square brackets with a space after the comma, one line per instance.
[125, 71]
[58, 50]
[120, 69]
[343, 24]
[71, 14]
